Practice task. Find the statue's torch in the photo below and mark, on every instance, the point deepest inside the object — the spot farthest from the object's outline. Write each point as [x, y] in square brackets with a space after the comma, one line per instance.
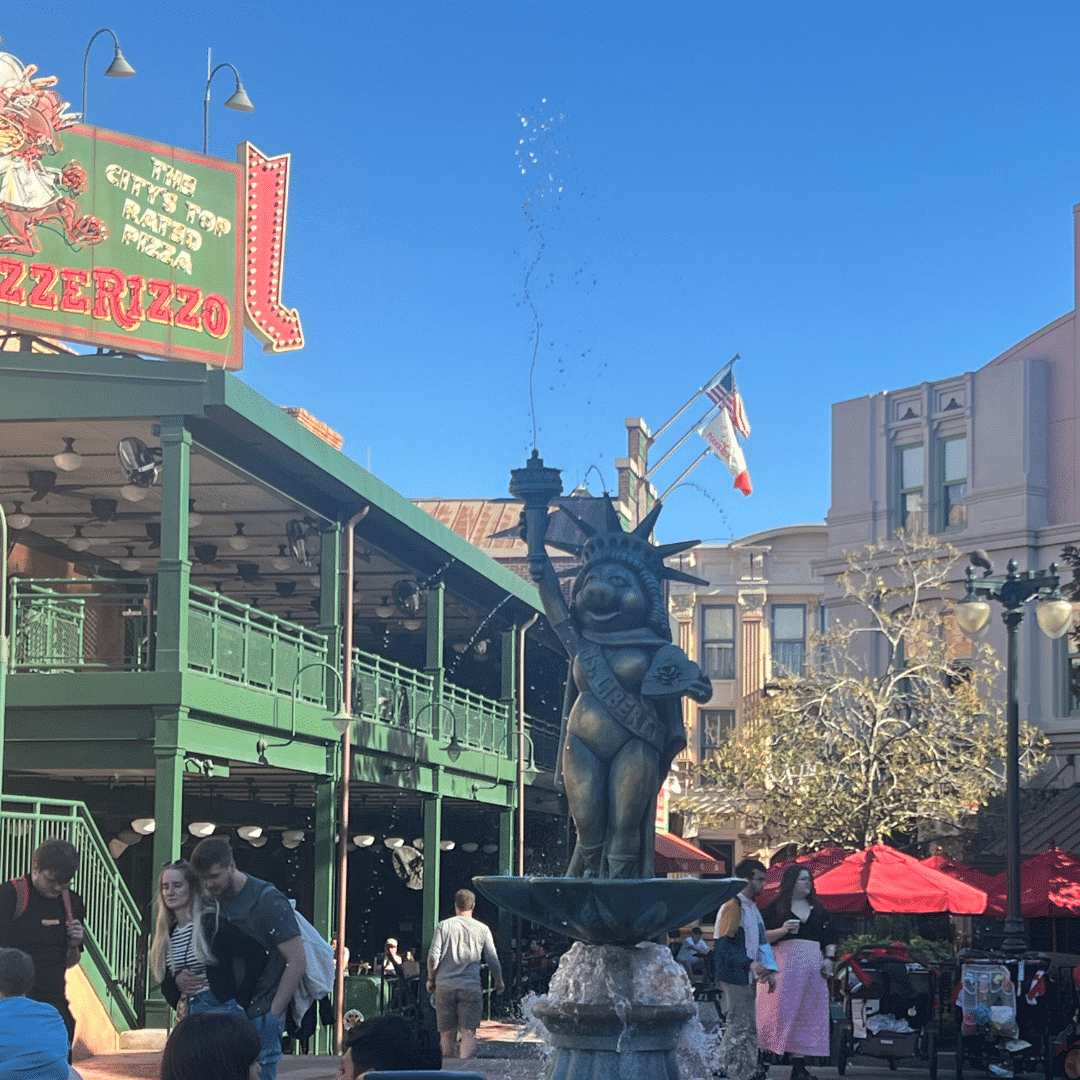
[535, 485]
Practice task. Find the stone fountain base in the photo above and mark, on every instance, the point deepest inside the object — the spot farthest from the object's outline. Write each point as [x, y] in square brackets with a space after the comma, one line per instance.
[615, 1013]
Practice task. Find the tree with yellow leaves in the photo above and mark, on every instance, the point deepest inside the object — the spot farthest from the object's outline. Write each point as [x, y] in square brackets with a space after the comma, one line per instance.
[895, 728]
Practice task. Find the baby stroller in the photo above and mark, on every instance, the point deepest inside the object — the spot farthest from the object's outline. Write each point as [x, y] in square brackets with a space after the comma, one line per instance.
[1004, 1014]
[888, 1006]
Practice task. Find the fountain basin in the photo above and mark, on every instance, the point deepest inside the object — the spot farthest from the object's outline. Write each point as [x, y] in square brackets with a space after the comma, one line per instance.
[606, 911]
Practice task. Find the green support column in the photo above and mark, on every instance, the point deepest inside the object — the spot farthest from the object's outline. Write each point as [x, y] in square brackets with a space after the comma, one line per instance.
[174, 566]
[432, 811]
[169, 827]
[323, 912]
[325, 855]
[433, 665]
[330, 604]
[506, 863]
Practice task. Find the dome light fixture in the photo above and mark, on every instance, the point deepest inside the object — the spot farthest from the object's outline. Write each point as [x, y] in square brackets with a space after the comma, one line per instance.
[469, 846]
[258, 841]
[130, 562]
[134, 493]
[490, 849]
[364, 840]
[447, 845]
[78, 542]
[201, 829]
[238, 541]
[1054, 617]
[19, 520]
[68, 460]
[412, 624]
[394, 842]
[249, 832]
[144, 826]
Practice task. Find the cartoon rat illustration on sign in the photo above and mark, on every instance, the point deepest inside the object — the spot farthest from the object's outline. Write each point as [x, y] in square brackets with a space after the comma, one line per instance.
[31, 193]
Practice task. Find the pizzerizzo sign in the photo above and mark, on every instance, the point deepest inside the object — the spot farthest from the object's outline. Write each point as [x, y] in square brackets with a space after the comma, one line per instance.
[118, 242]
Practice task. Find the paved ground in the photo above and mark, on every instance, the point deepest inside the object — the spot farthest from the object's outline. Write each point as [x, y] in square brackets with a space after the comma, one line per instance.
[501, 1055]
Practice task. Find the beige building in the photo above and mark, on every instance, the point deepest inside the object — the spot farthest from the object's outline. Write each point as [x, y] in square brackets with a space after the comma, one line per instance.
[750, 623]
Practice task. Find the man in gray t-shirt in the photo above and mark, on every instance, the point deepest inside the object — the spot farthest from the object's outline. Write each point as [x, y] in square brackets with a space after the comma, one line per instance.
[265, 914]
[453, 976]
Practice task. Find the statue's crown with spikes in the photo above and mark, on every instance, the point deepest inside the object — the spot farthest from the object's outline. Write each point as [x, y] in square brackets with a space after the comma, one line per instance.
[635, 544]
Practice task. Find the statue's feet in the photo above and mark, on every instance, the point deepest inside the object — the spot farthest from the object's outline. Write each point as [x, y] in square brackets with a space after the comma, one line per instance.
[623, 867]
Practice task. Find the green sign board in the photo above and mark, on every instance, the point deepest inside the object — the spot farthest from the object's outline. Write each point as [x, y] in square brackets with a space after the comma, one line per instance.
[126, 244]
[114, 241]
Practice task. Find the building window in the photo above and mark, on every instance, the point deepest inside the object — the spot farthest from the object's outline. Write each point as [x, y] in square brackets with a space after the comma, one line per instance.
[718, 642]
[910, 486]
[1072, 669]
[715, 725]
[953, 483]
[788, 639]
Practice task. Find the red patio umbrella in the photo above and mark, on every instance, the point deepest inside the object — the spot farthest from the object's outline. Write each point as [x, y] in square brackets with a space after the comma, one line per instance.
[886, 880]
[961, 871]
[1049, 885]
[817, 862]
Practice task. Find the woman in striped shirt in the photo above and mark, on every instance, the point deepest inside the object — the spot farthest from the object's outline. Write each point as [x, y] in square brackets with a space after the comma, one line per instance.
[202, 961]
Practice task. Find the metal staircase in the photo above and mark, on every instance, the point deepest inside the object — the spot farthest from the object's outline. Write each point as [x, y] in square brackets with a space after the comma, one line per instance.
[111, 953]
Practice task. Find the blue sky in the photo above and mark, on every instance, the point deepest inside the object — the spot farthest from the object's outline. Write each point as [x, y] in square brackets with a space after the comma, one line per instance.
[853, 196]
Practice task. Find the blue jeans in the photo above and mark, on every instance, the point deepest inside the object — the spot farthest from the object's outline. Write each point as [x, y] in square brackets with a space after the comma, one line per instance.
[270, 1030]
[204, 1001]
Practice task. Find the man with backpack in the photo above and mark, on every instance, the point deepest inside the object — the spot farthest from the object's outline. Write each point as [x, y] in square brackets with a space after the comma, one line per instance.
[43, 917]
[264, 913]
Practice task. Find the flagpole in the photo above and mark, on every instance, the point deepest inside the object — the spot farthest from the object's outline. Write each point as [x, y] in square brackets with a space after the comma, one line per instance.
[716, 378]
[693, 428]
[697, 461]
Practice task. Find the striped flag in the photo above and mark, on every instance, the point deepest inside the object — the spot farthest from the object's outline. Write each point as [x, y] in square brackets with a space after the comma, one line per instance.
[720, 436]
[726, 394]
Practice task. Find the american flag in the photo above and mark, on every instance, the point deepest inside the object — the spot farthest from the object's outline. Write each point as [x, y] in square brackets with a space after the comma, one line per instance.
[726, 394]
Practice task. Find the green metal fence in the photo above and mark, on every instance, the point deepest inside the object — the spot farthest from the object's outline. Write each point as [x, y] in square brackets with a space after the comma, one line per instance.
[113, 928]
[393, 694]
[65, 624]
[230, 640]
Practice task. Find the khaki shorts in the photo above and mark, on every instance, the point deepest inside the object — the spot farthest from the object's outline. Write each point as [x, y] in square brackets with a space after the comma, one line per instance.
[457, 1008]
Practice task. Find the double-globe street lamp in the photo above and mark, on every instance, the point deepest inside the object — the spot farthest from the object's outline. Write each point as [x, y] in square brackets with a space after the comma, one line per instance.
[1054, 616]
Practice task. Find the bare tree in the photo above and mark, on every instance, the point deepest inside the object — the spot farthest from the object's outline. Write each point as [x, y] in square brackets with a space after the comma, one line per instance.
[894, 728]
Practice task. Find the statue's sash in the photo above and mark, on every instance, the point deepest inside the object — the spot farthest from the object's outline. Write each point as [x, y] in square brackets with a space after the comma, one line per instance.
[623, 707]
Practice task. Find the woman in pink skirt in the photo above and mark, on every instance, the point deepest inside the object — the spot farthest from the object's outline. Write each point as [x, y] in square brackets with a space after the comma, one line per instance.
[795, 1020]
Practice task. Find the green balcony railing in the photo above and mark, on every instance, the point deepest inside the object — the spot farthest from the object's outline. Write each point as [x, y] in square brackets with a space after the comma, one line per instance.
[112, 956]
[230, 640]
[72, 624]
[393, 694]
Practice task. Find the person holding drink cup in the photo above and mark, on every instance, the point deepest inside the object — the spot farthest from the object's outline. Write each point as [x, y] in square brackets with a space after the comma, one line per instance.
[795, 1020]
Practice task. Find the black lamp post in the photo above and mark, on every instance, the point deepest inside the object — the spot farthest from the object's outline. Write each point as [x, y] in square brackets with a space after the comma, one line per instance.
[1054, 615]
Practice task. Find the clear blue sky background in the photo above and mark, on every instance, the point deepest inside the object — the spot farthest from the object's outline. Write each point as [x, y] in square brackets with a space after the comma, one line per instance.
[854, 196]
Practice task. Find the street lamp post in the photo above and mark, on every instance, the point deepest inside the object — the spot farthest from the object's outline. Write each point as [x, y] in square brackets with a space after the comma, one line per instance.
[118, 69]
[1054, 615]
[239, 101]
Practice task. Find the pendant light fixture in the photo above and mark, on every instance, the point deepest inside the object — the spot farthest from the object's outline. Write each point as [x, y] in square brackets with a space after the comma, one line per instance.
[130, 562]
[239, 542]
[384, 610]
[282, 561]
[68, 460]
[134, 493]
[78, 542]
[19, 520]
